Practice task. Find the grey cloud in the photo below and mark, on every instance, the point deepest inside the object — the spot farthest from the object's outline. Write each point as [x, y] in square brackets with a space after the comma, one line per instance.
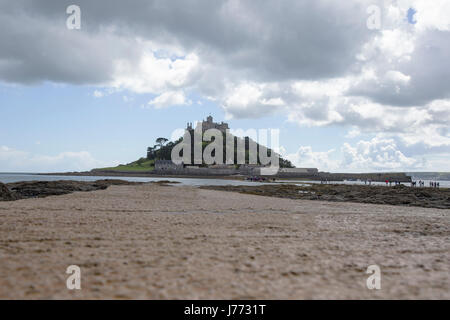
[273, 42]
[258, 40]
[429, 69]
[34, 50]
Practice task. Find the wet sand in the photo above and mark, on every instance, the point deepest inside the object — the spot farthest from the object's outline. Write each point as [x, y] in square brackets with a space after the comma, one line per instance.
[175, 242]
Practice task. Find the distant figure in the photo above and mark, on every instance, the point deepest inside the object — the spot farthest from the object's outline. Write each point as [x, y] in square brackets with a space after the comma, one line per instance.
[437, 184]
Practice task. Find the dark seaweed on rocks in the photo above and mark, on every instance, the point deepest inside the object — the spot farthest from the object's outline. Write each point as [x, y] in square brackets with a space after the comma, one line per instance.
[398, 195]
[5, 194]
[40, 189]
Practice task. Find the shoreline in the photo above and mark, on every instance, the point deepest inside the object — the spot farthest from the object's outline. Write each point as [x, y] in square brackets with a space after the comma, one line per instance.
[321, 176]
[397, 195]
[137, 174]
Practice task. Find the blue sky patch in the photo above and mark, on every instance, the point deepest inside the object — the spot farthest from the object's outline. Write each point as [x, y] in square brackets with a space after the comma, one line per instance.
[410, 15]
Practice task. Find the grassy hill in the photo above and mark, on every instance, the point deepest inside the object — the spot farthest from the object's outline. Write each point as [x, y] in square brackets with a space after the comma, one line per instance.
[140, 165]
[164, 152]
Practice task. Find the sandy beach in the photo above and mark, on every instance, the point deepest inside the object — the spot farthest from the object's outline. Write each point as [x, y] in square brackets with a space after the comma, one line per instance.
[177, 242]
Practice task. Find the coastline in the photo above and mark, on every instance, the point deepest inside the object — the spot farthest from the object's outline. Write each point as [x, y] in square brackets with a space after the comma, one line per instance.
[139, 174]
[400, 195]
[375, 177]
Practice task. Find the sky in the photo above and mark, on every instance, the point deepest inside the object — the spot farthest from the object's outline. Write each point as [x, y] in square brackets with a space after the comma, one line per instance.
[353, 86]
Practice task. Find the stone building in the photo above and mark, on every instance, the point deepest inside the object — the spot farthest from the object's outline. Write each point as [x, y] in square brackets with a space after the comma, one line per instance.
[167, 165]
[210, 124]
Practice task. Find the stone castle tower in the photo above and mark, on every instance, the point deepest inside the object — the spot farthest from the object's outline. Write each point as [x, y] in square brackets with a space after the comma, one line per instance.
[210, 124]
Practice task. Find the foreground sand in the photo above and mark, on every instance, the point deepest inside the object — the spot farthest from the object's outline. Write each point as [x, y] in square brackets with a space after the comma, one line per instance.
[162, 242]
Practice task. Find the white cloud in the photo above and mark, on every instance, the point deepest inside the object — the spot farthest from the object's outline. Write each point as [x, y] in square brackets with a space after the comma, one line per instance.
[98, 94]
[305, 157]
[377, 155]
[252, 100]
[435, 15]
[21, 161]
[170, 98]
[154, 75]
[353, 133]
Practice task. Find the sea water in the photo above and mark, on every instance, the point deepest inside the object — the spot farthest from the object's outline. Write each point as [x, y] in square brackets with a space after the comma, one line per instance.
[16, 177]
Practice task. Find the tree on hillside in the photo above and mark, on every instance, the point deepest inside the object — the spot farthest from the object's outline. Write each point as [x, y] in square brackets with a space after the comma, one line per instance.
[161, 142]
[150, 151]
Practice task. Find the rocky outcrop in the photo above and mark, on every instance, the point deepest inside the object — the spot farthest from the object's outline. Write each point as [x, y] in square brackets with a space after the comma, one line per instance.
[398, 195]
[5, 194]
[39, 189]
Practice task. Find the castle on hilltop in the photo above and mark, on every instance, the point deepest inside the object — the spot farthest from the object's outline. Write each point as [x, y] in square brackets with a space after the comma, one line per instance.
[210, 124]
[249, 167]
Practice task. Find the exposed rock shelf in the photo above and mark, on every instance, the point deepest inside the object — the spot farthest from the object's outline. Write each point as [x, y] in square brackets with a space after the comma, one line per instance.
[398, 195]
[40, 189]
